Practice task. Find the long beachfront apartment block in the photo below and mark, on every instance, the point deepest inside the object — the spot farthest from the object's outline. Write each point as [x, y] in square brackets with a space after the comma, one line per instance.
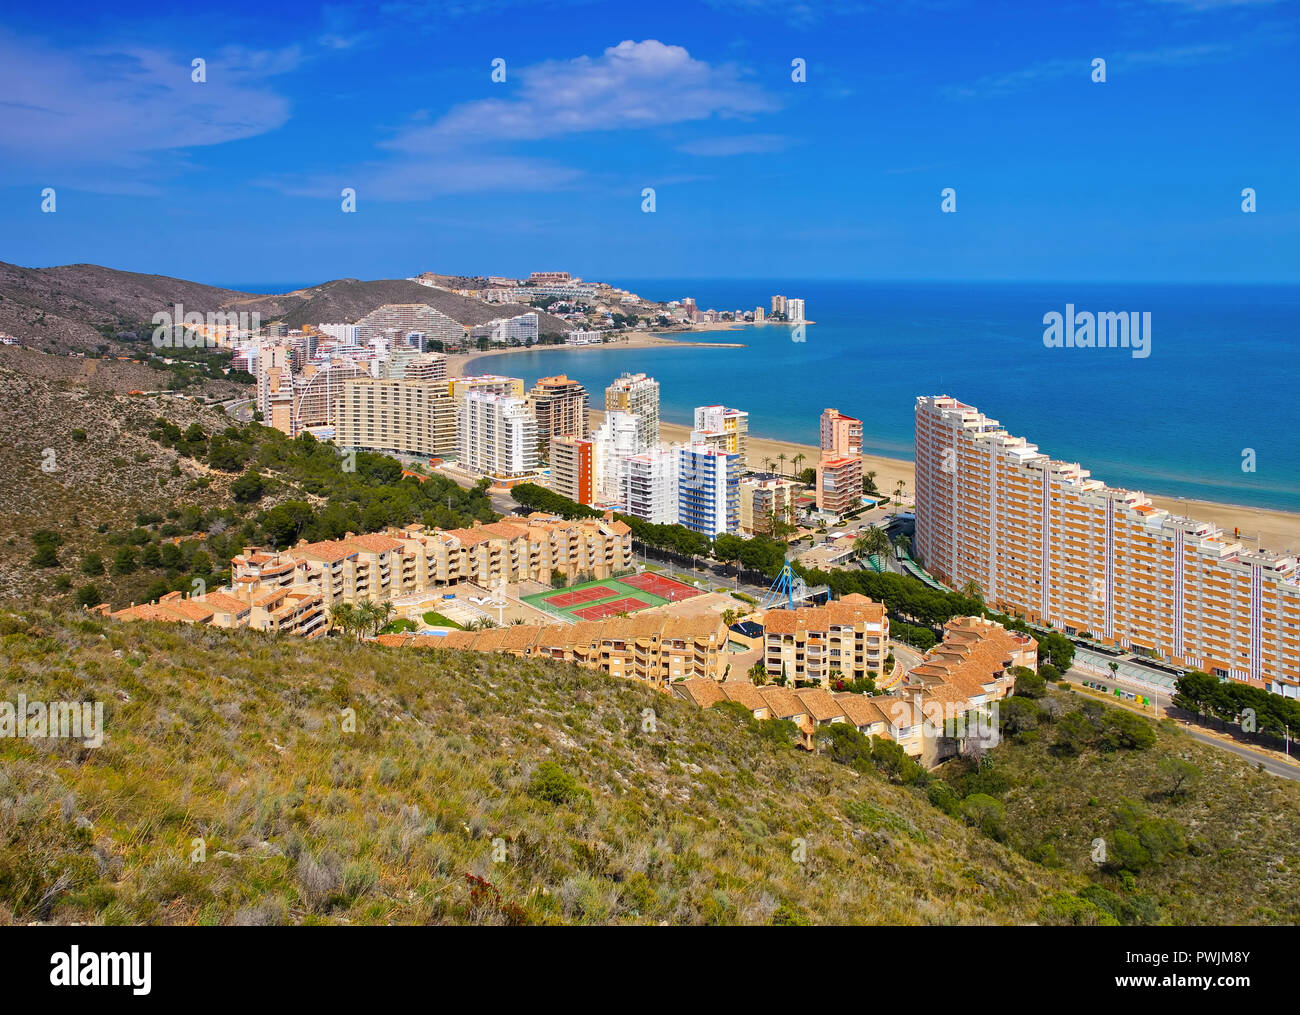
[1044, 540]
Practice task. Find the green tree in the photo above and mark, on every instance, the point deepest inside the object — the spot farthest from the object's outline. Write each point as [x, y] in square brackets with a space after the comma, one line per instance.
[88, 595]
[124, 561]
[92, 564]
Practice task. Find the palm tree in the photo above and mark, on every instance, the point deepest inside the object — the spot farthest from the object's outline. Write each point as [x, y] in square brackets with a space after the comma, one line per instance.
[781, 458]
[972, 590]
[871, 542]
[798, 460]
[767, 464]
[899, 488]
[869, 483]
[344, 616]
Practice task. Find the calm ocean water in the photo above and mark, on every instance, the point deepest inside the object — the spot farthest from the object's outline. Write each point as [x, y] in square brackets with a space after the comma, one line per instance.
[1221, 377]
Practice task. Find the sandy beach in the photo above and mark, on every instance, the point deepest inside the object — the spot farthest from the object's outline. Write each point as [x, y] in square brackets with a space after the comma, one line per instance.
[1258, 527]
[460, 364]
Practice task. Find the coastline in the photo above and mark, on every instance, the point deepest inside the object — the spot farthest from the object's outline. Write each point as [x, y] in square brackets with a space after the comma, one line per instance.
[1268, 528]
[460, 364]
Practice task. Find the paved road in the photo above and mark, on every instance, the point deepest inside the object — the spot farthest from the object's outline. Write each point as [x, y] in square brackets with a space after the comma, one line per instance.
[1273, 763]
[241, 410]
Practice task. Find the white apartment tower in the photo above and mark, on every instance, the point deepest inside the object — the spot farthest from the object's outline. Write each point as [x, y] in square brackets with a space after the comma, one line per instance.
[639, 395]
[498, 436]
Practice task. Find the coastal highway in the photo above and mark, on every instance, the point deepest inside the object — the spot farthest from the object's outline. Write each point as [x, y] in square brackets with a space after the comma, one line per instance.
[1273, 762]
[241, 409]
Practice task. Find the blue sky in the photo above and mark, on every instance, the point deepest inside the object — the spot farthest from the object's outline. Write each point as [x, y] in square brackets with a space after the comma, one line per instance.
[238, 179]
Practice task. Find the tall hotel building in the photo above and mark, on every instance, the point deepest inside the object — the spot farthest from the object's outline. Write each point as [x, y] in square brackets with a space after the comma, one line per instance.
[727, 429]
[708, 489]
[639, 395]
[498, 436]
[573, 469]
[1044, 540]
[794, 311]
[560, 407]
[413, 416]
[840, 434]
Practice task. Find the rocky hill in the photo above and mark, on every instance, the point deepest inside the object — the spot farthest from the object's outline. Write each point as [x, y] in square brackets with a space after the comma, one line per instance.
[232, 787]
[81, 306]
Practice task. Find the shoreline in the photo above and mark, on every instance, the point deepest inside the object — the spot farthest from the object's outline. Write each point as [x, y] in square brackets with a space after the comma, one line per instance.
[459, 364]
[1269, 528]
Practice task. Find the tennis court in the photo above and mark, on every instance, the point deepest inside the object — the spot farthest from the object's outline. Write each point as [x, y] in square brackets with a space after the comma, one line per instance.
[604, 597]
[603, 610]
[576, 598]
[658, 585]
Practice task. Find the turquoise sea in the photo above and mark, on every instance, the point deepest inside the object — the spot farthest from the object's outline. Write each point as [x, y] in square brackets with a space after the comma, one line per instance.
[1221, 377]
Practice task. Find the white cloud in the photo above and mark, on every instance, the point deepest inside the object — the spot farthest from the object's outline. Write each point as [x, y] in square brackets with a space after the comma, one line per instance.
[633, 85]
[109, 108]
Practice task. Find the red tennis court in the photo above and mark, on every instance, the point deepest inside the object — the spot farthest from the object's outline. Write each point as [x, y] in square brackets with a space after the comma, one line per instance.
[604, 610]
[657, 585]
[566, 599]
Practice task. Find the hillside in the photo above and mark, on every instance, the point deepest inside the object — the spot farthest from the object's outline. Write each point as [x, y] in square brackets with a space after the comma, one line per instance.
[65, 307]
[1194, 835]
[598, 816]
[76, 457]
[73, 306]
[140, 496]
[350, 299]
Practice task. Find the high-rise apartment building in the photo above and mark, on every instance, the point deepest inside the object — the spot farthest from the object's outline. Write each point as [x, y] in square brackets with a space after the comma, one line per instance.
[639, 395]
[614, 441]
[708, 489]
[650, 485]
[759, 315]
[498, 436]
[840, 434]
[731, 424]
[413, 416]
[778, 304]
[559, 404]
[573, 469]
[839, 483]
[794, 311]
[1043, 539]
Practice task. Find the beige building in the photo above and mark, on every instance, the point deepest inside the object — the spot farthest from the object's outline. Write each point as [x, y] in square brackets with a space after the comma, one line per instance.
[378, 567]
[765, 500]
[559, 404]
[847, 639]
[1044, 540]
[727, 429]
[655, 649]
[412, 416]
[639, 395]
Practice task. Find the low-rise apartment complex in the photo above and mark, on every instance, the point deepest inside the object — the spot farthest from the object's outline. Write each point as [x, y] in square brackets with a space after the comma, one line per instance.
[655, 649]
[847, 639]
